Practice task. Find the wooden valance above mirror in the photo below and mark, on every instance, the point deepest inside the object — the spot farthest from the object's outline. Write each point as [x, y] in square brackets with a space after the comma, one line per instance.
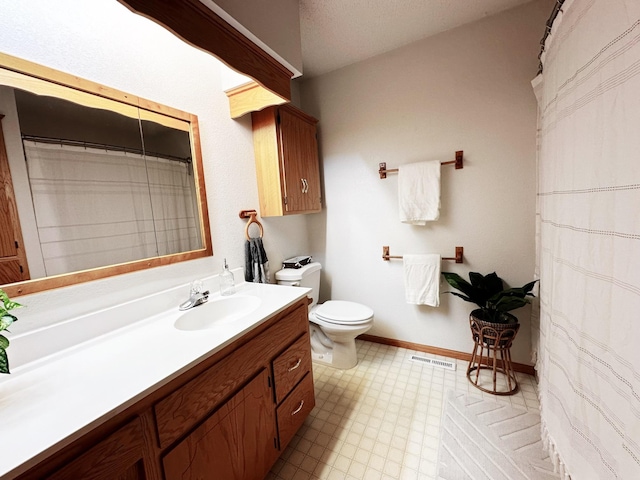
[114, 183]
[199, 26]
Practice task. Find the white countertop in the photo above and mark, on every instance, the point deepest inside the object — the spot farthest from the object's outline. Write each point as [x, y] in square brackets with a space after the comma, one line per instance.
[48, 403]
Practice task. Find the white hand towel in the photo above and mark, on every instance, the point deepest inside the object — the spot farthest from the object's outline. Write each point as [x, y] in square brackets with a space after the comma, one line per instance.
[422, 279]
[419, 192]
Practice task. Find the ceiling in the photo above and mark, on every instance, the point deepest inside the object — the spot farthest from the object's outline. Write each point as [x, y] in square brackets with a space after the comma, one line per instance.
[336, 33]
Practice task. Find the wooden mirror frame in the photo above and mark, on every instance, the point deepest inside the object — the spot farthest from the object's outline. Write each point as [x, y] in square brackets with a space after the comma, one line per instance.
[60, 79]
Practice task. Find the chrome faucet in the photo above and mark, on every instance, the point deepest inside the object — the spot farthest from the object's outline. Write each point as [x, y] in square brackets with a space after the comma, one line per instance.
[196, 296]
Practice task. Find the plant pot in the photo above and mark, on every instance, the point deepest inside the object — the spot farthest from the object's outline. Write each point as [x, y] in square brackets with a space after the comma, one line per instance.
[488, 333]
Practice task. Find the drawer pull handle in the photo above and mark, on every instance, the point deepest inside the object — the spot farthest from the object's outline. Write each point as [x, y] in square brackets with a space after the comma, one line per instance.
[291, 369]
[298, 409]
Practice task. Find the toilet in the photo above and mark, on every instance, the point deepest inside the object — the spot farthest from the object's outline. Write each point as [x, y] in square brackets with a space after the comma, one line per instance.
[333, 325]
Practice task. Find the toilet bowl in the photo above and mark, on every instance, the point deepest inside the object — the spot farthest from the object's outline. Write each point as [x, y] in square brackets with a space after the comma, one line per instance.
[333, 325]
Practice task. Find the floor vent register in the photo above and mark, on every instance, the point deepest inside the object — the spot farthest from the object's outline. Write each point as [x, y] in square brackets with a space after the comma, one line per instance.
[433, 362]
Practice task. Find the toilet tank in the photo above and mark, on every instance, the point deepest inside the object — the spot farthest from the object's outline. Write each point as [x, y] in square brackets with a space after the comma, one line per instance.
[307, 276]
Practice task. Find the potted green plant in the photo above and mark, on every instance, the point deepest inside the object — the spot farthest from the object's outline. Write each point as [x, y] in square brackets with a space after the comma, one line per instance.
[493, 328]
[489, 294]
[6, 319]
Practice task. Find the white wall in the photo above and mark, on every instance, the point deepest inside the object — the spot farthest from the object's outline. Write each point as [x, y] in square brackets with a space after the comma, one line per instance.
[467, 89]
[102, 41]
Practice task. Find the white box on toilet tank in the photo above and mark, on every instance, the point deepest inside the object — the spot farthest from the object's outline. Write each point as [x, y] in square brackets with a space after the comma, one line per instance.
[307, 276]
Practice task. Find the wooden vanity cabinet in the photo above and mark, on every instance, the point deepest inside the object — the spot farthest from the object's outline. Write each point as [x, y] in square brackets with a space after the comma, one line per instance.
[287, 165]
[229, 417]
[244, 436]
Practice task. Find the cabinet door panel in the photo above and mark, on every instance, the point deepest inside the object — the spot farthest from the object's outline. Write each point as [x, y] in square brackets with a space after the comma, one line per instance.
[14, 266]
[313, 200]
[10, 270]
[118, 457]
[235, 443]
[299, 162]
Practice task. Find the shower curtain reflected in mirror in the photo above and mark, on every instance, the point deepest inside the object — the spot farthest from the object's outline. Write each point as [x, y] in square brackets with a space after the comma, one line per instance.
[97, 206]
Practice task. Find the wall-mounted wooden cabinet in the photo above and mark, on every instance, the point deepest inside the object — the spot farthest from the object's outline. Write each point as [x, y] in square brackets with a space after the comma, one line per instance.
[287, 165]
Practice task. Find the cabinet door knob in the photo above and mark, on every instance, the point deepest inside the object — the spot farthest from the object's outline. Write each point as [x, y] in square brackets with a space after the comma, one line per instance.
[297, 410]
[302, 181]
[291, 369]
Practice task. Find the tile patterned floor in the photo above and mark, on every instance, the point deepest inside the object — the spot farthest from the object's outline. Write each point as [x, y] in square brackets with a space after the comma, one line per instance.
[381, 419]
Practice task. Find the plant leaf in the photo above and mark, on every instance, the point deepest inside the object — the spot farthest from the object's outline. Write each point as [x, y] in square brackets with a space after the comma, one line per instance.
[476, 278]
[7, 302]
[485, 286]
[456, 281]
[6, 320]
[4, 361]
[507, 303]
[474, 295]
[492, 284]
[4, 342]
[528, 287]
[464, 297]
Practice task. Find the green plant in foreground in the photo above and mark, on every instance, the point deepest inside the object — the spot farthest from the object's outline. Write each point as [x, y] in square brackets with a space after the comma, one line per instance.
[488, 293]
[6, 319]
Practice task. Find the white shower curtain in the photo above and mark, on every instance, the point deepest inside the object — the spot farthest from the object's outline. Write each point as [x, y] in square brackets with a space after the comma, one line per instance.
[588, 343]
[98, 207]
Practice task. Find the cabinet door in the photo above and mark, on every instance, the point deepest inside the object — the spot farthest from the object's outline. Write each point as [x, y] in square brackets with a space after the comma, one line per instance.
[119, 457]
[299, 162]
[237, 442]
[13, 260]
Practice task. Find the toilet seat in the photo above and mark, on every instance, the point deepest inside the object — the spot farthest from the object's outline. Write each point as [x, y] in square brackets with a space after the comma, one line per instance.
[340, 312]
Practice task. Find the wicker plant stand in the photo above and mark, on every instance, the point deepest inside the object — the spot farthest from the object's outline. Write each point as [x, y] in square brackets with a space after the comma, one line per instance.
[492, 352]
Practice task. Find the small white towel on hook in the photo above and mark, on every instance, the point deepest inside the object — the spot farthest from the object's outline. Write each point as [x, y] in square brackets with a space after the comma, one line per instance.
[419, 192]
[422, 279]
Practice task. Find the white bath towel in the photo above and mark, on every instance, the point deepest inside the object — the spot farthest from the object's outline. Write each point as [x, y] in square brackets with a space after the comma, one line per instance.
[419, 192]
[422, 279]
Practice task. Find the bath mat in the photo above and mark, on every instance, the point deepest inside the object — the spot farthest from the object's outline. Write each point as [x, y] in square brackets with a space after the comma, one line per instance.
[489, 440]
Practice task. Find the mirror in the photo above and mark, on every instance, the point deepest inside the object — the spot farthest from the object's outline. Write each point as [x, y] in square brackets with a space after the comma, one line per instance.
[113, 183]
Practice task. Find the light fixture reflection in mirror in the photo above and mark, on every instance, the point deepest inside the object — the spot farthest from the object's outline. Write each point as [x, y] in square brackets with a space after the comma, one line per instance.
[113, 188]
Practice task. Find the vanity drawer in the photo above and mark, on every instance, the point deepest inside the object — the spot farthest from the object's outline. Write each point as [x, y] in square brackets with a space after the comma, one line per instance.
[295, 409]
[291, 365]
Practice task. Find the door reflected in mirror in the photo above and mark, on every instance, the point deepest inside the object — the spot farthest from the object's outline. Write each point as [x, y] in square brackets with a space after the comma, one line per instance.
[109, 183]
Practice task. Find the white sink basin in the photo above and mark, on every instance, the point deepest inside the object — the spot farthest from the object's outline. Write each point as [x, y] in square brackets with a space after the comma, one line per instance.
[216, 312]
